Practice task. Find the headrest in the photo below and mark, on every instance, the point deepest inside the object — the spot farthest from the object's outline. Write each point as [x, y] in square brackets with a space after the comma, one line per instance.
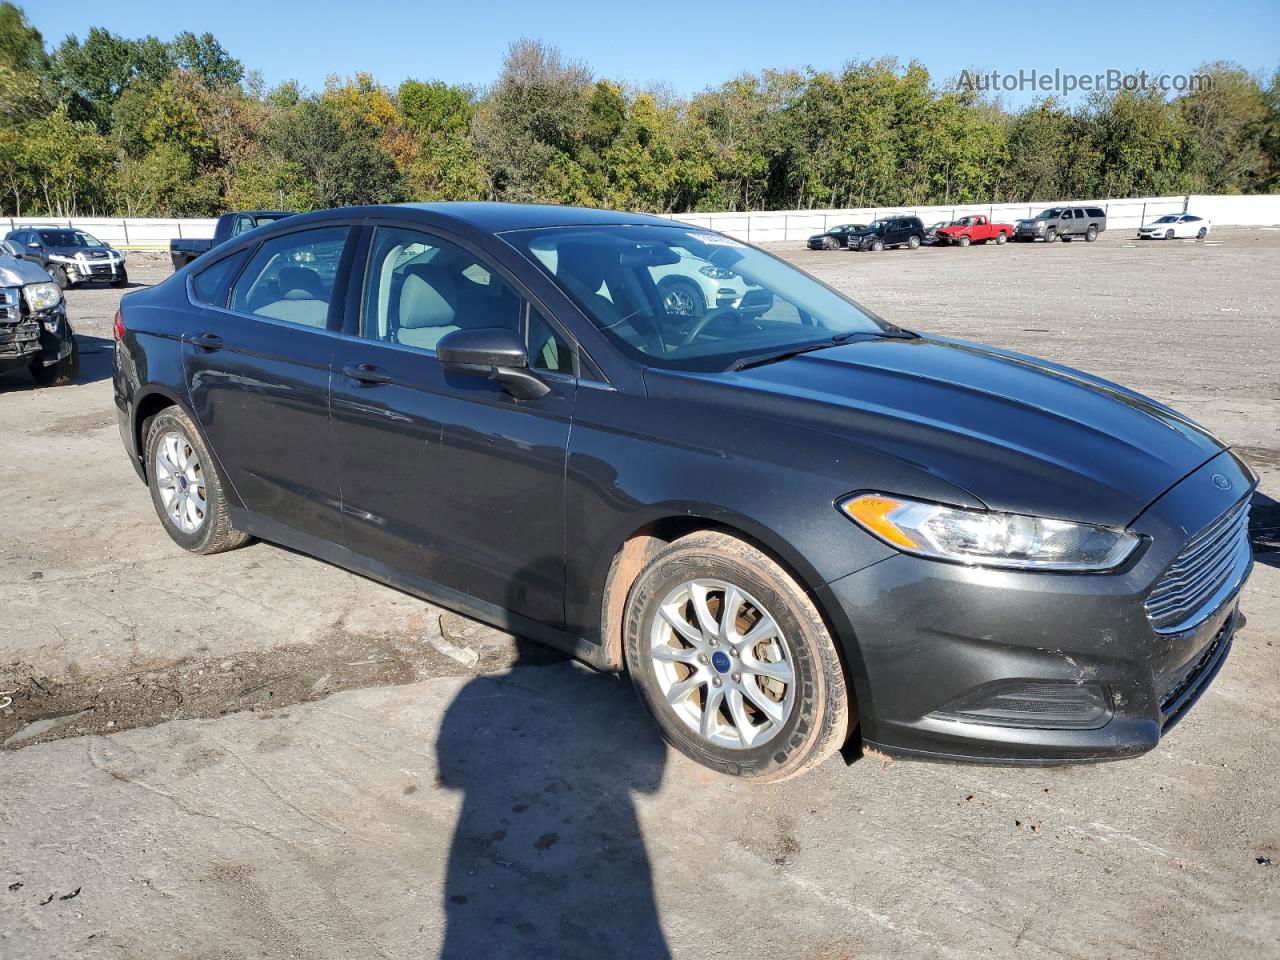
[428, 298]
[300, 283]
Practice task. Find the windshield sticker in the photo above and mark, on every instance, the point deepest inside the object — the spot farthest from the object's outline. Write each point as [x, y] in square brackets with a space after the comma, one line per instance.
[715, 240]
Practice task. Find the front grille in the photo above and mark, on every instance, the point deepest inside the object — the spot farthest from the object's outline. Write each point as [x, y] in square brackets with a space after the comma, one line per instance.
[18, 337]
[1203, 575]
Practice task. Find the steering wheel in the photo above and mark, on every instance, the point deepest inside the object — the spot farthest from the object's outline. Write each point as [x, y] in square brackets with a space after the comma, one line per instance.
[701, 324]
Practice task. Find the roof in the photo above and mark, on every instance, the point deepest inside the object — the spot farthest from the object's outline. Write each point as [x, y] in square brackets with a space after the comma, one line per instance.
[496, 217]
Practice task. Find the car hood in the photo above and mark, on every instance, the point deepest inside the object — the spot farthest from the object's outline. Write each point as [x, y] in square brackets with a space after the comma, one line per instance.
[18, 273]
[91, 253]
[1017, 433]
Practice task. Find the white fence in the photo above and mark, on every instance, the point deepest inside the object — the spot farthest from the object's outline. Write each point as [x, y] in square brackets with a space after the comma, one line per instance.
[764, 227]
[1124, 214]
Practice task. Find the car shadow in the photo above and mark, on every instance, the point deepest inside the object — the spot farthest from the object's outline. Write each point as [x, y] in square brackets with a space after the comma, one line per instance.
[1264, 529]
[95, 365]
[547, 858]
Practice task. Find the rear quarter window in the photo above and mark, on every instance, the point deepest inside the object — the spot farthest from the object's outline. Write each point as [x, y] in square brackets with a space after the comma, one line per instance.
[212, 284]
[1097, 212]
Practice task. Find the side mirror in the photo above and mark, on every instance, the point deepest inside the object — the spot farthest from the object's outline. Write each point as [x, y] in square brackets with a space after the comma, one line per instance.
[33, 244]
[494, 353]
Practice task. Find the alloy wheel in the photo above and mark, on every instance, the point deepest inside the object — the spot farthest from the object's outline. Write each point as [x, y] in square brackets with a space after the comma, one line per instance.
[722, 664]
[180, 481]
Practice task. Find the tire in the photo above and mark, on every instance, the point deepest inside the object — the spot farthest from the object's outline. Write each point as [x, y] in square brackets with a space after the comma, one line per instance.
[60, 277]
[1202, 233]
[803, 721]
[681, 298]
[61, 374]
[122, 280]
[1091, 235]
[212, 532]
[913, 242]
[1050, 235]
[1168, 234]
[964, 240]
[1001, 238]
[877, 246]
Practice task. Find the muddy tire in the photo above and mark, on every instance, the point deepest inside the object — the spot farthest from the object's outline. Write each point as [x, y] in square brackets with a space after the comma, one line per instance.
[61, 374]
[186, 489]
[758, 694]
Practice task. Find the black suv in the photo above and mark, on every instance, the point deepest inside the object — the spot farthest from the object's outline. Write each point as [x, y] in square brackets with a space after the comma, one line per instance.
[71, 256]
[892, 232]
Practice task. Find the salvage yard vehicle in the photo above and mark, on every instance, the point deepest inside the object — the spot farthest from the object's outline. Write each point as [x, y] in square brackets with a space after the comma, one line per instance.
[693, 287]
[792, 522]
[837, 238]
[182, 250]
[70, 256]
[1065, 223]
[931, 232]
[34, 330]
[892, 232]
[1175, 225]
[975, 229]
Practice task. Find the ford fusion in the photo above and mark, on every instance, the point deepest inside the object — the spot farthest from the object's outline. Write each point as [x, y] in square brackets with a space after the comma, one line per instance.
[797, 526]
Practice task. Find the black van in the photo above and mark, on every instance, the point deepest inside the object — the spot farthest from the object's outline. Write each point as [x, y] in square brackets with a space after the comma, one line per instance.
[891, 232]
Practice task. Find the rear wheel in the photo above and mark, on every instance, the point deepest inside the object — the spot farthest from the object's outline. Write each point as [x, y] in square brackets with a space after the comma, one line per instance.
[913, 242]
[1091, 234]
[186, 489]
[60, 374]
[680, 298]
[1202, 233]
[1001, 238]
[734, 661]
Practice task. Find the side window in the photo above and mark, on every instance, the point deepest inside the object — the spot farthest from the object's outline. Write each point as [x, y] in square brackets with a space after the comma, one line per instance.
[1079, 214]
[239, 225]
[419, 288]
[547, 349]
[1066, 214]
[1097, 212]
[291, 277]
[210, 285]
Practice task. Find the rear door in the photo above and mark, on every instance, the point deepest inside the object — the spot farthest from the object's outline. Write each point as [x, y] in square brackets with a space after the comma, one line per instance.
[446, 478]
[257, 365]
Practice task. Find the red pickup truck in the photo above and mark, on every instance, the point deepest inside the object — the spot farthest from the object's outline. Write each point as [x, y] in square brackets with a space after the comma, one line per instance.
[976, 229]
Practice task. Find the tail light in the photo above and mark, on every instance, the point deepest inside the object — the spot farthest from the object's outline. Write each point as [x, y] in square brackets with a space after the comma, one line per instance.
[119, 326]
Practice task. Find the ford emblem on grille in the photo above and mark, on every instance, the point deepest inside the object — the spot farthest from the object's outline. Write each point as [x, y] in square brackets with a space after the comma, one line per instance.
[1221, 482]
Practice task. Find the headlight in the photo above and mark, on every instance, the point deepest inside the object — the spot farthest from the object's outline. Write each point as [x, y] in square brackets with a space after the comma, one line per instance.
[716, 273]
[42, 296]
[62, 258]
[986, 538]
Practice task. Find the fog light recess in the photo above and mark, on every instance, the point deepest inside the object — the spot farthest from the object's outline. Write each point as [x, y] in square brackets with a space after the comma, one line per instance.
[1046, 705]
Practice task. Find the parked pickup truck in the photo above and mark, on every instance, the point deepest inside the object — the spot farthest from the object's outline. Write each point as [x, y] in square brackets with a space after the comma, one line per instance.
[182, 250]
[975, 229]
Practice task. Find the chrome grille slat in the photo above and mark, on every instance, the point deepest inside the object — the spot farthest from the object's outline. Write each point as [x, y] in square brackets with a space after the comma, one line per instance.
[1199, 575]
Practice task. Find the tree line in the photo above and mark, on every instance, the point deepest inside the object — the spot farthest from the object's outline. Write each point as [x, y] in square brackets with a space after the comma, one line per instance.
[113, 126]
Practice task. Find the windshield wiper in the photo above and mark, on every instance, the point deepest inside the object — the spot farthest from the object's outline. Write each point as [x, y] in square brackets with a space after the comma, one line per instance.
[759, 359]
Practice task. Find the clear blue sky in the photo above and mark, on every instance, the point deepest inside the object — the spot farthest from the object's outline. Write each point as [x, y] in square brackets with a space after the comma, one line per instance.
[689, 46]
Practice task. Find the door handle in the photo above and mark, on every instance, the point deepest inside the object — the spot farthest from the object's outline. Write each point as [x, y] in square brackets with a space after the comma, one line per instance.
[207, 341]
[366, 373]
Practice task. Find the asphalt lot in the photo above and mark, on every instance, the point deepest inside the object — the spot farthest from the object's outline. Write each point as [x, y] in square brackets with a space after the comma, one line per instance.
[258, 755]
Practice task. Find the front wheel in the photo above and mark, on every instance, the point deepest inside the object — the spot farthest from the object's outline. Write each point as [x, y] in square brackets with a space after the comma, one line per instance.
[965, 241]
[877, 246]
[1168, 234]
[186, 489]
[681, 298]
[1050, 235]
[122, 279]
[733, 660]
[60, 374]
[60, 277]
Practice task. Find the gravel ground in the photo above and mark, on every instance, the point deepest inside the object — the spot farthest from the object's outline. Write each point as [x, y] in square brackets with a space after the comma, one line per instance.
[414, 757]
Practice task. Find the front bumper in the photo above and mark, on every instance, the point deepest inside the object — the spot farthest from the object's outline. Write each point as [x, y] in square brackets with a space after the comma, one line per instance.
[973, 664]
[82, 270]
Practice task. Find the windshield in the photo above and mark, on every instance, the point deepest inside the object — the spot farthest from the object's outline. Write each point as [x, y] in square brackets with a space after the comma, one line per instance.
[1051, 214]
[688, 298]
[1169, 219]
[69, 238]
[264, 218]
